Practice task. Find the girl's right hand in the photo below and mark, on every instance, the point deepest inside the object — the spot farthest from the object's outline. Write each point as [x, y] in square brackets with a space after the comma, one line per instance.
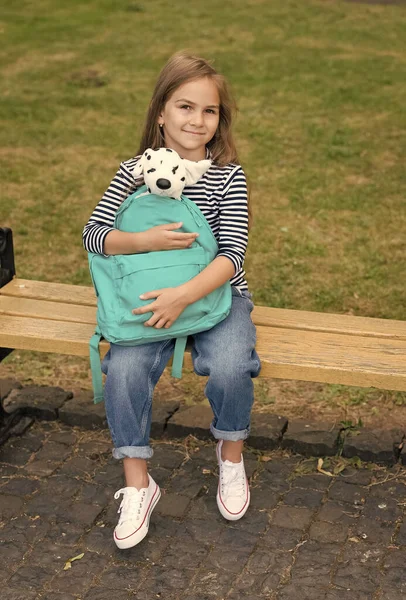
[164, 237]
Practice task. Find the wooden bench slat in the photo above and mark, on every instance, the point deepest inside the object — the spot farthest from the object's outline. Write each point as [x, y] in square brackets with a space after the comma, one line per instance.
[40, 309]
[53, 292]
[61, 337]
[326, 322]
[333, 358]
[262, 315]
[285, 353]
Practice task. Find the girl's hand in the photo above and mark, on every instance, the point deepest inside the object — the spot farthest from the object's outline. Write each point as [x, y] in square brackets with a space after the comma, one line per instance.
[163, 237]
[169, 304]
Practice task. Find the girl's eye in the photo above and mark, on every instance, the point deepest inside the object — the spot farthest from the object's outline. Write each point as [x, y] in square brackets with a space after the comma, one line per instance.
[185, 106]
[211, 111]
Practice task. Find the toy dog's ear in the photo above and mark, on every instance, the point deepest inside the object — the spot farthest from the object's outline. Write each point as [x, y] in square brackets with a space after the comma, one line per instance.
[138, 170]
[195, 170]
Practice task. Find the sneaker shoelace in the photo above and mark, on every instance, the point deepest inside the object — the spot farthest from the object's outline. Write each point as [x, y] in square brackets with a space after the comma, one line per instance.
[233, 479]
[131, 504]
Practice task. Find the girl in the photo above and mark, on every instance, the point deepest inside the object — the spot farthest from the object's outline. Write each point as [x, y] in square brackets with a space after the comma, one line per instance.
[191, 111]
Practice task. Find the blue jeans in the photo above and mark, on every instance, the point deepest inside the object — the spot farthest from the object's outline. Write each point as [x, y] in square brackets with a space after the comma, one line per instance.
[226, 354]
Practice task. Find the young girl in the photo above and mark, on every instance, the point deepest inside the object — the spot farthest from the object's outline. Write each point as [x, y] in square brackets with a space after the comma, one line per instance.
[191, 111]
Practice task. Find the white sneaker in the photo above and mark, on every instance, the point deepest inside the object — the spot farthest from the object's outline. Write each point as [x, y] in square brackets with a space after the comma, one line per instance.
[135, 511]
[233, 494]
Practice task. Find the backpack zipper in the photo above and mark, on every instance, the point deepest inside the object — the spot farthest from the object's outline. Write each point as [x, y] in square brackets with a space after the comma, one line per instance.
[186, 201]
[196, 218]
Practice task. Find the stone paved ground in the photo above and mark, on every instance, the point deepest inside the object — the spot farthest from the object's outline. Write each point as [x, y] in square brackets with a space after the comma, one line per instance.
[306, 534]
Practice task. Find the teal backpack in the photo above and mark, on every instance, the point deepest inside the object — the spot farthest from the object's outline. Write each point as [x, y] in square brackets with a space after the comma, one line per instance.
[120, 279]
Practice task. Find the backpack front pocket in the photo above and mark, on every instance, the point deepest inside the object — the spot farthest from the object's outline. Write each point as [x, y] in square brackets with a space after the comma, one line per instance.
[135, 274]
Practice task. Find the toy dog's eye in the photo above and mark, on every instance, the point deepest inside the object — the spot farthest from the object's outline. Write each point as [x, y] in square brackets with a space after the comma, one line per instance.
[151, 170]
[175, 169]
[183, 178]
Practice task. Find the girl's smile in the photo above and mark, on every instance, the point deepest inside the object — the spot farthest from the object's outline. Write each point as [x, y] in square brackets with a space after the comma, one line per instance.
[190, 118]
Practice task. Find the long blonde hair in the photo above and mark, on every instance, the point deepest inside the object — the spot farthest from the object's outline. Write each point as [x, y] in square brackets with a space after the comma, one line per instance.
[182, 68]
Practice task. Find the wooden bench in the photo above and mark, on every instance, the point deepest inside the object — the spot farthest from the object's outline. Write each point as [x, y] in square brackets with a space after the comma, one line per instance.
[292, 344]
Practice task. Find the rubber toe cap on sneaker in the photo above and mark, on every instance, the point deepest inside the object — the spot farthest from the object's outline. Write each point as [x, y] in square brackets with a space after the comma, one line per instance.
[233, 508]
[125, 530]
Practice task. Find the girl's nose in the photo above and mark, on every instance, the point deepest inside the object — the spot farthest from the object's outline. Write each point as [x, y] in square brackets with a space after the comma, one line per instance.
[196, 119]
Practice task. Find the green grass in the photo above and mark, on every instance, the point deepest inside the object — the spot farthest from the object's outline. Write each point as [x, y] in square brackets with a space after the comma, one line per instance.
[321, 133]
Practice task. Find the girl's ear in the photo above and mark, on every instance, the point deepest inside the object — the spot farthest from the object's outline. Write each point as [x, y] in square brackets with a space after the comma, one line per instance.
[195, 170]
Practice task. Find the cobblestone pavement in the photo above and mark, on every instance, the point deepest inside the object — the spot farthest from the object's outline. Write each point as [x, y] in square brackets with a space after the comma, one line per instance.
[306, 534]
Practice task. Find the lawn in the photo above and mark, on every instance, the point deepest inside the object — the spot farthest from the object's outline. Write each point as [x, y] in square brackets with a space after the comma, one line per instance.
[321, 134]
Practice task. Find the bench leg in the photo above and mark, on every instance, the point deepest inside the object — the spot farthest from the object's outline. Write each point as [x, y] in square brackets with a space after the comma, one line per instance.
[7, 272]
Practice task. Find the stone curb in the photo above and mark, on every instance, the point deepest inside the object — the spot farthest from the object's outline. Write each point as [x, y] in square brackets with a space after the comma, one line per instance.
[172, 419]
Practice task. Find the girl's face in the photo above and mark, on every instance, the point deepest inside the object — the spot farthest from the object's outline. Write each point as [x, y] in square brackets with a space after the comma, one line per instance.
[190, 118]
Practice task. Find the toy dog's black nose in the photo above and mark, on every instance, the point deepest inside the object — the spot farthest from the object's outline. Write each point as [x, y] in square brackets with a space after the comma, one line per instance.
[163, 184]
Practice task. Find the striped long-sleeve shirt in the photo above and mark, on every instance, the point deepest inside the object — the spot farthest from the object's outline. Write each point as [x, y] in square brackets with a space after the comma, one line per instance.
[221, 195]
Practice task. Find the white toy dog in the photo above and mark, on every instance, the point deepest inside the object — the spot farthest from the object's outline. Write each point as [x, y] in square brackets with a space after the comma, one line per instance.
[166, 173]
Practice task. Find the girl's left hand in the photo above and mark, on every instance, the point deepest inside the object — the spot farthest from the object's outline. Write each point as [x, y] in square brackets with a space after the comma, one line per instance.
[169, 304]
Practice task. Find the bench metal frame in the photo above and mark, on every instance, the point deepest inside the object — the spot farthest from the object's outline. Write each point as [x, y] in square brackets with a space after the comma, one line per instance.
[7, 268]
[7, 272]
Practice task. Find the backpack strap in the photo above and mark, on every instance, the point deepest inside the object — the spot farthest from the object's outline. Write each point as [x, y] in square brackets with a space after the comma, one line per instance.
[95, 366]
[177, 363]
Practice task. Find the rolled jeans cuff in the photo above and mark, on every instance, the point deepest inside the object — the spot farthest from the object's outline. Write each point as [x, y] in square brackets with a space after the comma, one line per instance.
[133, 452]
[231, 436]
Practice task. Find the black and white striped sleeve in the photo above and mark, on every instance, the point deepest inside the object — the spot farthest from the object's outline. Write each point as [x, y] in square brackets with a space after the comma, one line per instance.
[233, 214]
[102, 219]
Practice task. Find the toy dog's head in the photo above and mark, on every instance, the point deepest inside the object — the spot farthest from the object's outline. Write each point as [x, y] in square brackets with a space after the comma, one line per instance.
[166, 174]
